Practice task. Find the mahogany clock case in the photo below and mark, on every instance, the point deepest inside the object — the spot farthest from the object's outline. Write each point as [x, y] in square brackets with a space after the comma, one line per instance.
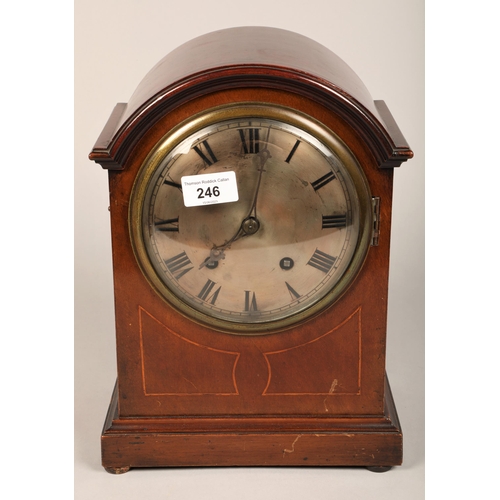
[313, 394]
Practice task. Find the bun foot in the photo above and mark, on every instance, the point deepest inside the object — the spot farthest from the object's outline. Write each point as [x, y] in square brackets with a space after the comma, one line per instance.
[117, 470]
[380, 469]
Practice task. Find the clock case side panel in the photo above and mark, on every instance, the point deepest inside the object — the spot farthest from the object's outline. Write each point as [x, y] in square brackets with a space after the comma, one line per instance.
[136, 303]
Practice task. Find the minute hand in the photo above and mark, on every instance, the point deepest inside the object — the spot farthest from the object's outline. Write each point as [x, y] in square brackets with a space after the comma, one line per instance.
[249, 225]
[263, 155]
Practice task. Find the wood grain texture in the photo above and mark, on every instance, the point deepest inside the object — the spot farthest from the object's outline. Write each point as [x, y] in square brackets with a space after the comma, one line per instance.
[256, 57]
[191, 442]
[209, 394]
[369, 290]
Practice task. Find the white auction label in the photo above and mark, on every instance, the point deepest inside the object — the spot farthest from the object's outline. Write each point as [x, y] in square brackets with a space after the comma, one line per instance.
[208, 189]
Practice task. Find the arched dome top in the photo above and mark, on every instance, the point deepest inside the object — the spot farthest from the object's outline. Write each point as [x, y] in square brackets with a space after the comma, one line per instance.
[250, 46]
[250, 56]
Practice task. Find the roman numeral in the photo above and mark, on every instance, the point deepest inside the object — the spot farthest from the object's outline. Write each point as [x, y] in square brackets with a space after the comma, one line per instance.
[178, 265]
[202, 155]
[330, 221]
[168, 225]
[293, 293]
[292, 152]
[250, 301]
[323, 181]
[322, 261]
[205, 292]
[173, 184]
[253, 140]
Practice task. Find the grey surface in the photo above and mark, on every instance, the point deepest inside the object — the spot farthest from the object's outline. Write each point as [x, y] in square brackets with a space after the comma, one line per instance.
[116, 43]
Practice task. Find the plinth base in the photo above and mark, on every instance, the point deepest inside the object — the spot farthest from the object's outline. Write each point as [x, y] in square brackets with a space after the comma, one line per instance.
[375, 442]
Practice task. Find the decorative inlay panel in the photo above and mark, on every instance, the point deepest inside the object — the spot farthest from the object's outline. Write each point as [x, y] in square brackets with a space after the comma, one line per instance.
[330, 369]
[172, 364]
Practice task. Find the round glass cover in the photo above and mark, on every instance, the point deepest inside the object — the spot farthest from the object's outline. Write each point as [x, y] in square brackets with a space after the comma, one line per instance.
[250, 218]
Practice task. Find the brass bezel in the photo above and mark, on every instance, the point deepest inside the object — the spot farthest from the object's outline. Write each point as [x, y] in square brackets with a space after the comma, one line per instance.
[248, 110]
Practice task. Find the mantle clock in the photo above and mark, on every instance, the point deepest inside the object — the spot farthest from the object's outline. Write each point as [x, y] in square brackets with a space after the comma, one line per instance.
[250, 181]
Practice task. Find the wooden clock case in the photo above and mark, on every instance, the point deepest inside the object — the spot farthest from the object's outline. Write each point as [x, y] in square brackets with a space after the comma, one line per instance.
[313, 395]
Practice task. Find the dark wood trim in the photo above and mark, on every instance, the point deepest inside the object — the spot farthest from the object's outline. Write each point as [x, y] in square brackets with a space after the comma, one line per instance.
[387, 144]
[101, 153]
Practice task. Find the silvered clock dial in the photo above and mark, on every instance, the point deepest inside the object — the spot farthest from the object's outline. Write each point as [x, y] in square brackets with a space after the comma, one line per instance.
[288, 245]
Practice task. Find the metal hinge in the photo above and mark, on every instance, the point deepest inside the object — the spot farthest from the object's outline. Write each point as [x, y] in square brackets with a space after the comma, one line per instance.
[376, 221]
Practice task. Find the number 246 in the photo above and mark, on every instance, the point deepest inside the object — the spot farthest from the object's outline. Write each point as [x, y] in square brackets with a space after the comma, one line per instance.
[208, 192]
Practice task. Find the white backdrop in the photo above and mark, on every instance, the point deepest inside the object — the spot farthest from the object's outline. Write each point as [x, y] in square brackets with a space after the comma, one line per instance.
[116, 43]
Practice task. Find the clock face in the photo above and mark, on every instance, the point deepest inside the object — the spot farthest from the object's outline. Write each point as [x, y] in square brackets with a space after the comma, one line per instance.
[250, 218]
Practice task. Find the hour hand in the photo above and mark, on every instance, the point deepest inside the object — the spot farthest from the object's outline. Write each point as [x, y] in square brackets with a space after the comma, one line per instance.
[249, 226]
